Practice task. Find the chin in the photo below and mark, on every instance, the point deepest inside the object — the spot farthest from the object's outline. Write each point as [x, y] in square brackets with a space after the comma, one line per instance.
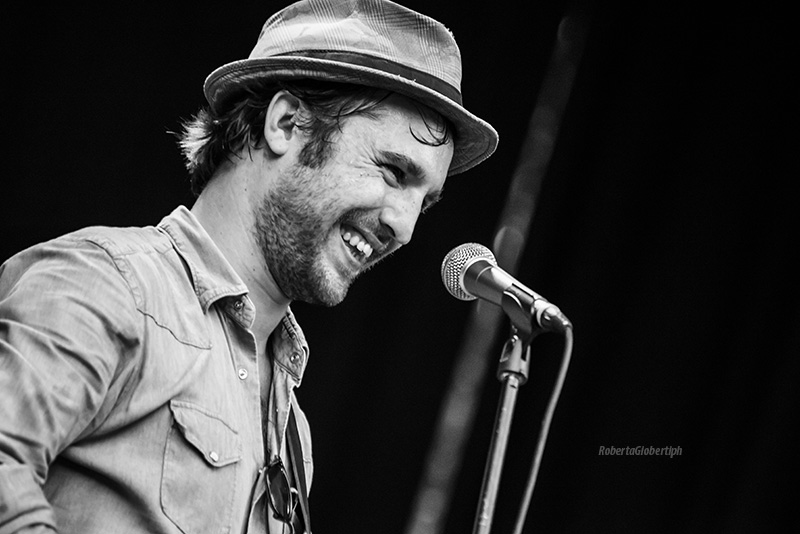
[326, 287]
[326, 296]
[329, 301]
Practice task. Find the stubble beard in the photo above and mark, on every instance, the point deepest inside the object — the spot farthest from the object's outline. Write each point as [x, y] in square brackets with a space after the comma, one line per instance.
[292, 229]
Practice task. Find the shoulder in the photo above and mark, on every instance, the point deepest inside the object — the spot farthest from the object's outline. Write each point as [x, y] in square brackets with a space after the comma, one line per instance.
[120, 242]
[144, 258]
[127, 275]
[92, 247]
[76, 275]
[90, 258]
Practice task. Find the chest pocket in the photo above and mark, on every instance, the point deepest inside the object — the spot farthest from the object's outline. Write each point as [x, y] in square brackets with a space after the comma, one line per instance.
[199, 476]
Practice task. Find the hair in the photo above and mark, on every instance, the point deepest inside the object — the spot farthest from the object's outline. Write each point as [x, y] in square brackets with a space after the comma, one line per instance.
[209, 139]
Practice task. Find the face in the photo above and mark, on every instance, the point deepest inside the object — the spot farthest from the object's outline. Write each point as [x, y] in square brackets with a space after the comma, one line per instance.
[319, 228]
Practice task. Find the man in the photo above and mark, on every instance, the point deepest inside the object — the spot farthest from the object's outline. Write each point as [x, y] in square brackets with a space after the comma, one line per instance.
[147, 375]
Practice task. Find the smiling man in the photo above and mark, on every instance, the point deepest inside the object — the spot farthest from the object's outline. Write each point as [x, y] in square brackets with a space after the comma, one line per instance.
[147, 375]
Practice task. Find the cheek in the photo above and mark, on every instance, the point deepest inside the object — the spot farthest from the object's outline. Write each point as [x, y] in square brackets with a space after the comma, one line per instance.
[362, 188]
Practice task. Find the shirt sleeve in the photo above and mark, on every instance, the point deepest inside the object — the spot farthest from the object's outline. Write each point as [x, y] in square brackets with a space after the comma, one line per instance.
[68, 328]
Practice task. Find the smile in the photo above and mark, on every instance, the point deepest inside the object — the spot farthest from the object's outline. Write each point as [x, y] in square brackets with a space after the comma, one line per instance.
[358, 245]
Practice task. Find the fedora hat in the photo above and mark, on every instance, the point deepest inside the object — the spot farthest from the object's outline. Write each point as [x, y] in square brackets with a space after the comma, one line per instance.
[376, 43]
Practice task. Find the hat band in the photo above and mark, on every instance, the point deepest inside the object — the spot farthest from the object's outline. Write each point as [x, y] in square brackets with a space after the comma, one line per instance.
[390, 67]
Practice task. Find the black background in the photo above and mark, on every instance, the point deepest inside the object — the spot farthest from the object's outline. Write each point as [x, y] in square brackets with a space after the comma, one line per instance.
[664, 230]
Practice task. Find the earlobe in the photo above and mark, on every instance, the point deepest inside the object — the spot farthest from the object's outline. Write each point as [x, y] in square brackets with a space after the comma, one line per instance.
[280, 122]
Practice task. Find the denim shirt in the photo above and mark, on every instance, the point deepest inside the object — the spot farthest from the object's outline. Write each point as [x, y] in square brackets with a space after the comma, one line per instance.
[129, 386]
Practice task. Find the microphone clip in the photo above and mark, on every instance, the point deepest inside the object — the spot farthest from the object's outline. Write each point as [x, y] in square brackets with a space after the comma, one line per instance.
[515, 358]
[532, 316]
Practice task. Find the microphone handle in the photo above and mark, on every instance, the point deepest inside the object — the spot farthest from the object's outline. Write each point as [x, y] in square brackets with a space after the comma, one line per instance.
[487, 281]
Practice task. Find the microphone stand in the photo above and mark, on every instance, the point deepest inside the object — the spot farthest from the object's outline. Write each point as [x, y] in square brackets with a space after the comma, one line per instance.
[512, 372]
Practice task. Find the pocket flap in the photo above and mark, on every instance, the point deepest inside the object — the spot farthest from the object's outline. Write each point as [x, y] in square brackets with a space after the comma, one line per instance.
[218, 443]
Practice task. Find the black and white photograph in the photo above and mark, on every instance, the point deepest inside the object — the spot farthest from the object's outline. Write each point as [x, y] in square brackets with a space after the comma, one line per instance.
[359, 266]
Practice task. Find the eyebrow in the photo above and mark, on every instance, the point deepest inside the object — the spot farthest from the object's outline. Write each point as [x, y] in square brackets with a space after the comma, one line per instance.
[412, 167]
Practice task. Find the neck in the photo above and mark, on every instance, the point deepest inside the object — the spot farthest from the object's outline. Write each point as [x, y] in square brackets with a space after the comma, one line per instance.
[226, 212]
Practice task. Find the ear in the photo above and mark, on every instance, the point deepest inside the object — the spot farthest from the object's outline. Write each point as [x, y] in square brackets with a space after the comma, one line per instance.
[279, 126]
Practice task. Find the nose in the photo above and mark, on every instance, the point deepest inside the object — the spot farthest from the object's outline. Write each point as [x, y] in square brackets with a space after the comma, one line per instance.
[401, 214]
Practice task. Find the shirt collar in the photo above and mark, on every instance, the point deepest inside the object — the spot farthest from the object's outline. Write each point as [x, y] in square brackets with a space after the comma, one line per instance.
[212, 276]
[213, 279]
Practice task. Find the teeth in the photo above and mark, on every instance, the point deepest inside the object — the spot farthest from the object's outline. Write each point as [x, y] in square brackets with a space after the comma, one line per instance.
[358, 243]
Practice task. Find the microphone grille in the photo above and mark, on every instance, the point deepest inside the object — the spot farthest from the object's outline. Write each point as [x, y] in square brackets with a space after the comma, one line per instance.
[455, 263]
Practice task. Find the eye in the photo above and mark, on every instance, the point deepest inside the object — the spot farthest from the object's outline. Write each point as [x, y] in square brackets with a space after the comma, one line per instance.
[397, 175]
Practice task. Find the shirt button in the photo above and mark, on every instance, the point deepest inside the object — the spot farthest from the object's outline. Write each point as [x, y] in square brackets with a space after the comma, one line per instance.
[214, 456]
[242, 373]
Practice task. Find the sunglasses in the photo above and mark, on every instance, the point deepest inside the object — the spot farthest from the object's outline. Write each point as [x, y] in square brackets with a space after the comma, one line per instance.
[282, 496]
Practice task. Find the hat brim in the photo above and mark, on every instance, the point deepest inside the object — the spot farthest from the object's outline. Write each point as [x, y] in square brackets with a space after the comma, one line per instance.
[475, 139]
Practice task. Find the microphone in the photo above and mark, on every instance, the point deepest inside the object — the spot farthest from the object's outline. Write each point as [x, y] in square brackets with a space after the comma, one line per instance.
[470, 271]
